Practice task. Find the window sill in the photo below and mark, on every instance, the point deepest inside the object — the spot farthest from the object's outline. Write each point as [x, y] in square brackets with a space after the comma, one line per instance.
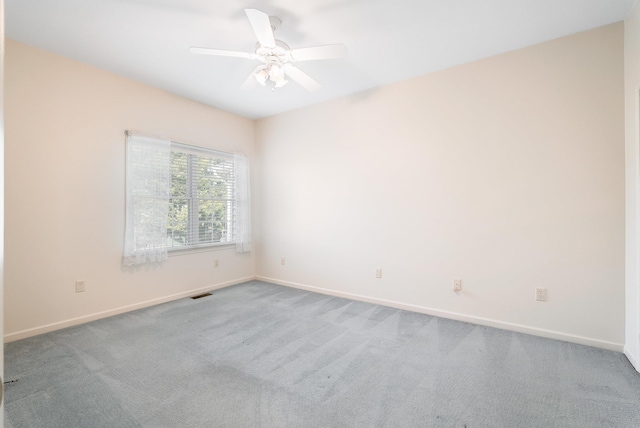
[193, 250]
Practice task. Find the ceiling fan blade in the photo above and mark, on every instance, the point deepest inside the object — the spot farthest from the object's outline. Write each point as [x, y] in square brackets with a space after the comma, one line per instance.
[262, 27]
[301, 78]
[250, 83]
[221, 52]
[319, 52]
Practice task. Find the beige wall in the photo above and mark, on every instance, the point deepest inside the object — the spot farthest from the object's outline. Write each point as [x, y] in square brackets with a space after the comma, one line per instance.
[507, 173]
[632, 124]
[65, 124]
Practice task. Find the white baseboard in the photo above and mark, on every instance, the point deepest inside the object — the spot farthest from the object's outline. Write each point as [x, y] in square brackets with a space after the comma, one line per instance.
[618, 347]
[632, 358]
[23, 334]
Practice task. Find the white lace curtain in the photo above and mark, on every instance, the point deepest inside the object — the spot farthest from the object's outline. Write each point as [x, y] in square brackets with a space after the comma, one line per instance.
[147, 199]
[242, 208]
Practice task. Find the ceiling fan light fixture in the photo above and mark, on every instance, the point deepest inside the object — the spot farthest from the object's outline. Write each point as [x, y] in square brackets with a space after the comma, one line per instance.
[282, 82]
[276, 56]
[261, 76]
[273, 72]
[276, 73]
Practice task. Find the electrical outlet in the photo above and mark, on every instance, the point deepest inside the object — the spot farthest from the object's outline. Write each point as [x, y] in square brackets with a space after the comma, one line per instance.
[379, 273]
[457, 285]
[283, 260]
[216, 263]
[541, 294]
[79, 286]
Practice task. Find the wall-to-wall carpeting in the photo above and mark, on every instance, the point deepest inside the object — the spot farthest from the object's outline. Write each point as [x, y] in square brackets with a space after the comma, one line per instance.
[263, 355]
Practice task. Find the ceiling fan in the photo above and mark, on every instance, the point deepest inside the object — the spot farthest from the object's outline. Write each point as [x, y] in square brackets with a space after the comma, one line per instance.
[276, 57]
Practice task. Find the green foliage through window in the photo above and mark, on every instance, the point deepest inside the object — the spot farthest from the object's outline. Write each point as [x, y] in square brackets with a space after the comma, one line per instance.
[201, 203]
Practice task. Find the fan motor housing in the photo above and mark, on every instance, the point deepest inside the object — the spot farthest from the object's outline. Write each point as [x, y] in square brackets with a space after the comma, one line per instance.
[280, 51]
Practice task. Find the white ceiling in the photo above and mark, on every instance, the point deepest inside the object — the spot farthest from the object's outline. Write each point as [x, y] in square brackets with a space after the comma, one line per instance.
[388, 40]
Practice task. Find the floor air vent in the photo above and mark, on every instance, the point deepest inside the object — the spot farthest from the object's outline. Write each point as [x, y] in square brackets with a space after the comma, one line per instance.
[200, 296]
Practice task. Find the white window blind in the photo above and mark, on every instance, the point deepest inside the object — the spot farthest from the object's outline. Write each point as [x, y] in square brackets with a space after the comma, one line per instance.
[181, 196]
[201, 205]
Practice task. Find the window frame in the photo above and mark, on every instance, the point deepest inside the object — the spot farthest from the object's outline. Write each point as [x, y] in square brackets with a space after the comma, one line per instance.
[193, 218]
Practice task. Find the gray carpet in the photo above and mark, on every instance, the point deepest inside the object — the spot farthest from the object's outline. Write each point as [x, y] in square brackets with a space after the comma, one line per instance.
[262, 355]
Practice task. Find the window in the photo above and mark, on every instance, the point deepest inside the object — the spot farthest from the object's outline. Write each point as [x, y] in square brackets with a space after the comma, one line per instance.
[180, 196]
[201, 204]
